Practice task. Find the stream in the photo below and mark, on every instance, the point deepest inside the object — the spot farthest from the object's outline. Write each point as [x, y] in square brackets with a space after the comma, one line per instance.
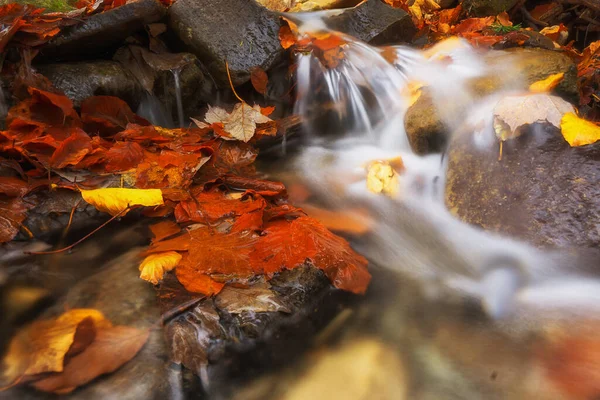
[453, 311]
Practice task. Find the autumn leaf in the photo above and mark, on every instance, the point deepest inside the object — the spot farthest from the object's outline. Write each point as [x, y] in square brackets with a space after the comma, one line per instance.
[578, 131]
[43, 345]
[72, 150]
[13, 187]
[123, 156]
[112, 347]
[546, 85]
[196, 282]
[164, 229]
[215, 205]
[352, 221]
[156, 265]
[108, 113]
[513, 113]
[116, 200]
[259, 80]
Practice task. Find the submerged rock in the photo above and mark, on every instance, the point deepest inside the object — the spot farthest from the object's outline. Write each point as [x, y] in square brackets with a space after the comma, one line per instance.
[375, 22]
[542, 191]
[512, 69]
[103, 31]
[247, 36]
[80, 80]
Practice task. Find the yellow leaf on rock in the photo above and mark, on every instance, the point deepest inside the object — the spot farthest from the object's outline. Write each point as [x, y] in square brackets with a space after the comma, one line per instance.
[577, 131]
[155, 265]
[41, 347]
[546, 85]
[117, 200]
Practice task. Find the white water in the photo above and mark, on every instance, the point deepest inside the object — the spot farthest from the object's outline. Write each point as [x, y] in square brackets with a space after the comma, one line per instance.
[176, 76]
[414, 233]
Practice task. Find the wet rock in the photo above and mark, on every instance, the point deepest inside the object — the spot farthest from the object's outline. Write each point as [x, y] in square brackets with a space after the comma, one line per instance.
[510, 69]
[237, 336]
[247, 36]
[542, 191]
[80, 80]
[482, 8]
[424, 127]
[103, 31]
[375, 22]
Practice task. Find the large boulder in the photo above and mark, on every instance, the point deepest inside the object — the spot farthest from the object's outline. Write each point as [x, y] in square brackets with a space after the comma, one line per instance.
[375, 22]
[80, 80]
[103, 31]
[511, 69]
[542, 190]
[239, 33]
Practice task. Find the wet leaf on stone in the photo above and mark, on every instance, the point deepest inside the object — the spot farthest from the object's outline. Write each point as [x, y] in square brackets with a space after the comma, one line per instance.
[116, 200]
[154, 266]
[256, 298]
[547, 84]
[578, 131]
[259, 80]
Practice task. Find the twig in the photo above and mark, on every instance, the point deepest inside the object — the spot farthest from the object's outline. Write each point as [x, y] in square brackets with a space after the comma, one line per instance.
[82, 239]
[71, 218]
[231, 82]
[530, 18]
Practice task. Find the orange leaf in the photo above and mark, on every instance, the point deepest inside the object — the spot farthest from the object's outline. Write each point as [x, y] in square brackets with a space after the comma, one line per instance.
[123, 156]
[108, 113]
[72, 150]
[504, 19]
[546, 85]
[164, 229]
[259, 79]
[197, 283]
[212, 206]
[473, 24]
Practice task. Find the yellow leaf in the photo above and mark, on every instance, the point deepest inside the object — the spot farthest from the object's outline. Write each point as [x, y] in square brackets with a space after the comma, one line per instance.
[116, 200]
[155, 265]
[41, 347]
[382, 178]
[578, 131]
[546, 85]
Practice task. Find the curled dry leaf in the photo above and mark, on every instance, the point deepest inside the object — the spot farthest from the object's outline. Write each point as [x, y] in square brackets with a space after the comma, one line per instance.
[578, 131]
[116, 200]
[112, 347]
[513, 113]
[546, 85]
[154, 266]
[42, 346]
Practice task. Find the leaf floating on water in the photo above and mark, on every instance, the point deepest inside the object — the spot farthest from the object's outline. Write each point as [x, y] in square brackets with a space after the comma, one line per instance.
[256, 298]
[156, 265]
[546, 85]
[116, 200]
[112, 347]
[513, 113]
[42, 346]
[382, 177]
[578, 131]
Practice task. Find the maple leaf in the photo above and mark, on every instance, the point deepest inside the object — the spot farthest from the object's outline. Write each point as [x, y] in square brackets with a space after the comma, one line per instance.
[153, 267]
[213, 206]
[42, 346]
[116, 200]
[578, 131]
[164, 229]
[513, 113]
[546, 85]
[112, 347]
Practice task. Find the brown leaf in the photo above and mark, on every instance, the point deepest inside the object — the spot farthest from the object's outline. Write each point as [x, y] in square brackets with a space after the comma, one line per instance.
[112, 347]
[123, 156]
[13, 187]
[164, 229]
[259, 79]
[256, 298]
[72, 150]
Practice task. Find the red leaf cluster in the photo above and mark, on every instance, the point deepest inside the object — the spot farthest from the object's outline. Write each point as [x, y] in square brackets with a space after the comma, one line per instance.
[230, 226]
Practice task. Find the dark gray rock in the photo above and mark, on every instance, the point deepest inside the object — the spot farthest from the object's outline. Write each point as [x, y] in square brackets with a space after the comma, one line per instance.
[240, 32]
[482, 8]
[103, 31]
[80, 80]
[542, 191]
[375, 22]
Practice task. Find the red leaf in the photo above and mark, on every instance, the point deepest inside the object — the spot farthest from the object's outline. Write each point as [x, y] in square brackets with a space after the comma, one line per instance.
[164, 229]
[123, 156]
[207, 207]
[473, 24]
[12, 213]
[13, 187]
[108, 114]
[72, 150]
[259, 79]
[197, 283]
[259, 186]
[248, 222]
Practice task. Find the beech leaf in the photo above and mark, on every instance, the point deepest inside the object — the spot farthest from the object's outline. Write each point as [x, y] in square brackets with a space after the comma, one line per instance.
[154, 266]
[116, 200]
[578, 131]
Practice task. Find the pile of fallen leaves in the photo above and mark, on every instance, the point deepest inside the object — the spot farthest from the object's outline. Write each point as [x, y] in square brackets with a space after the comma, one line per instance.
[228, 226]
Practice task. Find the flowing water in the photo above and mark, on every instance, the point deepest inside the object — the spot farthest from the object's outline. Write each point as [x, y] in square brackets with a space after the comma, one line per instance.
[176, 76]
[463, 313]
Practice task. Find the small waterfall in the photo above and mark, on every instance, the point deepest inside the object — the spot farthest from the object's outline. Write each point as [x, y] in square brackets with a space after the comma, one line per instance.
[154, 111]
[176, 76]
[353, 111]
